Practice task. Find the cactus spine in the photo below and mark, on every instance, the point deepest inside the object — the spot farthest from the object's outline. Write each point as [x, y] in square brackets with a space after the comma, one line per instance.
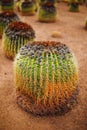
[47, 73]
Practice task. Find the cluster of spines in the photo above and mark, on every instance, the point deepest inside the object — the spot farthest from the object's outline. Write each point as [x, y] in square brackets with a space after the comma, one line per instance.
[49, 80]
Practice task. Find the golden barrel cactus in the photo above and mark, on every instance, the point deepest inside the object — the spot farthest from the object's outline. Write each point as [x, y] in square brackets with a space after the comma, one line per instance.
[74, 6]
[15, 36]
[6, 18]
[46, 77]
[47, 11]
[27, 7]
[7, 5]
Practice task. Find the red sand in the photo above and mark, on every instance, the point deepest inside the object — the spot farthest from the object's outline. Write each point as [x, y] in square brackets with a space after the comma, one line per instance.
[71, 26]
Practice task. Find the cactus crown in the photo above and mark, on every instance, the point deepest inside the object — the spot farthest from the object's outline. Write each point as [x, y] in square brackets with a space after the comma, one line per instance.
[18, 28]
[7, 16]
[37, 49]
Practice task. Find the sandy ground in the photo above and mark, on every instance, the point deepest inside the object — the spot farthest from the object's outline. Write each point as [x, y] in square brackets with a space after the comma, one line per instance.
[71, 26]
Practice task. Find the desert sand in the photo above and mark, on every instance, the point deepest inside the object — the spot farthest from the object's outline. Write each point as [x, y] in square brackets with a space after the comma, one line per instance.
[71, 27]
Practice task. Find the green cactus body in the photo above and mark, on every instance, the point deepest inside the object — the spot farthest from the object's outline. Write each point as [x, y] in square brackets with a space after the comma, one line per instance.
[74, 6]
[5, 19]
[47, 73]
[47, 11]
[27, 7]
[15, 36]
[7, 5]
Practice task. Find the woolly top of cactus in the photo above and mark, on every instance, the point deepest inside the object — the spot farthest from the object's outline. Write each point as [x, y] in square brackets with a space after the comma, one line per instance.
[20, 29]
[8, 16]
[39, 49]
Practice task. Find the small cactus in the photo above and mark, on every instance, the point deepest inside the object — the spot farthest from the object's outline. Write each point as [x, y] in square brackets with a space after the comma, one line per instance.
[6, 18]
[27, 7]
[46, 76]
[7, 5]
[74, 6]
[15, 36]
[47, 11]
[45, 1]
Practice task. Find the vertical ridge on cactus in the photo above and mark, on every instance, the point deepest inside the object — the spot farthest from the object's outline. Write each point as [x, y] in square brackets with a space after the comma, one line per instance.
[15, 36]
[7, 17]
[46, 76]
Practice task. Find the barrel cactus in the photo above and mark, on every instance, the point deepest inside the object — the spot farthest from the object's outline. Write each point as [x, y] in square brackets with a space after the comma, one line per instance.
[74, 6]
[7, 5]
[15, 36]
[27, 7]
[46, 77]
[47, 11]
[6, 18]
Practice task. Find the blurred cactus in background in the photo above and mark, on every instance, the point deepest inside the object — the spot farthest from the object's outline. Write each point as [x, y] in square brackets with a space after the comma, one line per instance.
[15, 36]
[46, 76]
[27, 7]
[7, 5]
[47, 11]
[6, 18]
[74, 5]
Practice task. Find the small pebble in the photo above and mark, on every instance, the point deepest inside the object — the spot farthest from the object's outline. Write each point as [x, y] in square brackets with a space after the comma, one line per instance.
[56, 34]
